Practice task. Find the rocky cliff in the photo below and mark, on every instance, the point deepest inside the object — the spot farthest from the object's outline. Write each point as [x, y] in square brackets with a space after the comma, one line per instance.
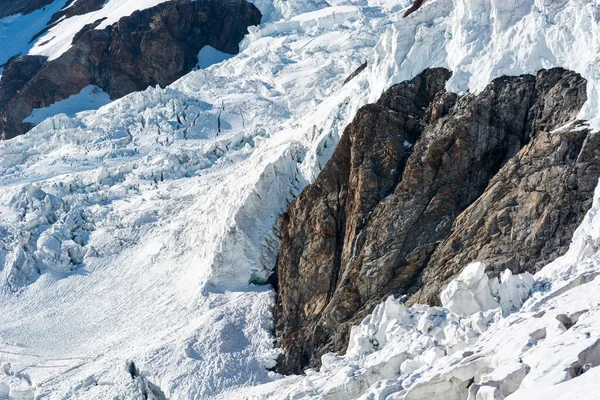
[151, 47]
[423, 182]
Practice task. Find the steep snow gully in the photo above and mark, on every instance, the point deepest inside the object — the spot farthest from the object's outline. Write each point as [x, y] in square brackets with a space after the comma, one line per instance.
[135, 239]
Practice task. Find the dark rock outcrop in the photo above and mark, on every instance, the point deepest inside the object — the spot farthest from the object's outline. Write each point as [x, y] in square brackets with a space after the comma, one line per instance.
[151, 47]
[18, 71]
[11, 7]
[422, 183]
[414, 7]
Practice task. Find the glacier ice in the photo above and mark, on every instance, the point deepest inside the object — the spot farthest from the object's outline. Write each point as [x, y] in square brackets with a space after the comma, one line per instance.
[472, 291]
[136, 232]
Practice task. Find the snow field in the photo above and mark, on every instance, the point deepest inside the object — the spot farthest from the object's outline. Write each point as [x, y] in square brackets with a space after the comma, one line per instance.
[135, 232]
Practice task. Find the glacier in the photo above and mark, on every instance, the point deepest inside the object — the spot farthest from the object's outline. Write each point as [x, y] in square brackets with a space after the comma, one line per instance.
[143, 233]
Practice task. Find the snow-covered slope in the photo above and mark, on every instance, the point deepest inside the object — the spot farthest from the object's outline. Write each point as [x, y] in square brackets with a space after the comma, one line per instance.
[18, 31]
[137, 232]
[90, 98]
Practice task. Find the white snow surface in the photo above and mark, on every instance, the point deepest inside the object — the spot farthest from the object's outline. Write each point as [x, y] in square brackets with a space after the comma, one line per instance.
[89, 98]
[58, 39]
[17, 30]
[139, 231]
[208, 56]
[472, 291]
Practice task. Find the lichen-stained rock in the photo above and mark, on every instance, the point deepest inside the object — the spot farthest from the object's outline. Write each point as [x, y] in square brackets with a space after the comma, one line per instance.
[150, 47]
[413, 178]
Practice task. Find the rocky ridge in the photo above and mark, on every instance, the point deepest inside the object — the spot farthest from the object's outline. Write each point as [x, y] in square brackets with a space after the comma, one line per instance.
[151, 47]
[424, 182]
[70, 9]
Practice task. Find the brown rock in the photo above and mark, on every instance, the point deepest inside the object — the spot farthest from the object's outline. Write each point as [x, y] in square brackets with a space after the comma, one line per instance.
[318, 237]
[414, 7]
[530, 209]
[18, 71]
[151, 47]
[485, 172]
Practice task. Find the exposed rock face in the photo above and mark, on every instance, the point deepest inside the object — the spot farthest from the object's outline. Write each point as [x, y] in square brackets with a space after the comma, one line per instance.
[10, 7]
[80, 7]
[414, 7]
[530, 209]
[151, 47]
[17, 73]
[421, 184]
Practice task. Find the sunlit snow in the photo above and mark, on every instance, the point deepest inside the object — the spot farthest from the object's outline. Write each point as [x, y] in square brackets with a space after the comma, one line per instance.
[90, 98]
[16, 31]
[209, 56]
[144, 231]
